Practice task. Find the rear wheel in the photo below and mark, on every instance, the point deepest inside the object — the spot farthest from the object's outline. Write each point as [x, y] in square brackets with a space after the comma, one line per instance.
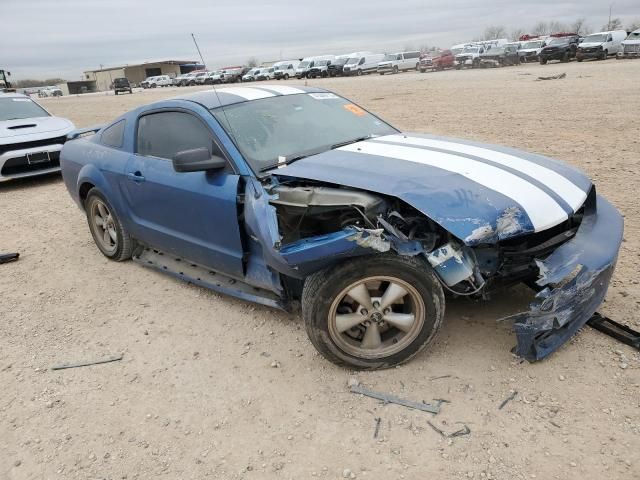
[543, 61]
[565, 57]
[110, 236]
[373, 312]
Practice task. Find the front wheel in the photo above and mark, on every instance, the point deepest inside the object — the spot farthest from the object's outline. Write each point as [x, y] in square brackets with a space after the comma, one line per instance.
[286, 76]
[373, 312]
[395, 69]
[543, 61]
[110, 236]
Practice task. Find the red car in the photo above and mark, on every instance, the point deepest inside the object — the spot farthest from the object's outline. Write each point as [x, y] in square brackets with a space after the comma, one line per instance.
[439, 61]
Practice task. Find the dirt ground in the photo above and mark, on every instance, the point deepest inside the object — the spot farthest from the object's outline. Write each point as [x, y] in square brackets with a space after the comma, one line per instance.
[196, 395]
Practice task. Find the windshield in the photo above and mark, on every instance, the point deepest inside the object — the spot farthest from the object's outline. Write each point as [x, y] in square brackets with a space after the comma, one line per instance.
[17, 108]
[634, 35]
[353, 60]
[456, 51]
[471, 49]
[288, 126]
[340, 61]
[596, 38]
[322, 63]
[532, 45]
[304, 64]
[389, 57]
[559, 41]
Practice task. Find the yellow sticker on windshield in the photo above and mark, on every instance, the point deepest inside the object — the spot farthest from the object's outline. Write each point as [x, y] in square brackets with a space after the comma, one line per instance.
[356, 110]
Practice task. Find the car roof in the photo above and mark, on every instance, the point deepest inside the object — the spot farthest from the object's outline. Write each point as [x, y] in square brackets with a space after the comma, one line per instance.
[224, 96]
[13, 94]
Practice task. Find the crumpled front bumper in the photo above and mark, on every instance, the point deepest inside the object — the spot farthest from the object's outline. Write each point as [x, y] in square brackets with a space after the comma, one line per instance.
[575, 278]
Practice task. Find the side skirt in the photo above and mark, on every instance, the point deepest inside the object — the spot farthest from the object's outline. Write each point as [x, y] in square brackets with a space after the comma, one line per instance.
[204, 277]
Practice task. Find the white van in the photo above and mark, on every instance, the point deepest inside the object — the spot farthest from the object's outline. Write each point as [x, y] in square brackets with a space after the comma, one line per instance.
[361, 64]
[630, 46]
[285, 69]
[396, 62]
[600, 45]
[308, 63]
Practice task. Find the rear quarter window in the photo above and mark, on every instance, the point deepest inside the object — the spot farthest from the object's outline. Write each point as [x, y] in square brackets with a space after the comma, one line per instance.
[113, 136]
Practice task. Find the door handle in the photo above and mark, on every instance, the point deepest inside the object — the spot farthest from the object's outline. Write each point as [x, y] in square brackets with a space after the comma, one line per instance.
[136, 177]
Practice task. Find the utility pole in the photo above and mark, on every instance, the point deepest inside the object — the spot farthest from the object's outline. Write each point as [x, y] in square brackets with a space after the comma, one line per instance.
[609, 23]
[198, 48]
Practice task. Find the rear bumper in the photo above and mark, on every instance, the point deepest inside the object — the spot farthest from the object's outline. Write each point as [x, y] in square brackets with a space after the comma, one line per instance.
[15, 164]
[575, 278]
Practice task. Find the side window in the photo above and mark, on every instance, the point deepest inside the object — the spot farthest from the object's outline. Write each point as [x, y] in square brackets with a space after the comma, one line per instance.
[361, 61]
[399, 57]
[166, 133]
[113, 136]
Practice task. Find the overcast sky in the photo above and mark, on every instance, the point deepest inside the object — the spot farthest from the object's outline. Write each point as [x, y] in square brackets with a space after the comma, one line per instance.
[63, 38]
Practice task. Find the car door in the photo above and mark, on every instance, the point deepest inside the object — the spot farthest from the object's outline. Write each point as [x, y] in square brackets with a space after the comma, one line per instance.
[193, 215]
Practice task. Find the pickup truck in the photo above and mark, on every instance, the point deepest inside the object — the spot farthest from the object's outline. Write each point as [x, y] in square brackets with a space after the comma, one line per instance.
[560, 48]
[438, 61]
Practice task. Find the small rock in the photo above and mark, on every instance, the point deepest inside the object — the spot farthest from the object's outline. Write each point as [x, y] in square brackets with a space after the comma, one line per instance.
[17, 463]
[561, 378]
[624, 366]
[49, 404]
[275, 364]
[290, 437]
[347, 473]
[573, 464]
[353, 382]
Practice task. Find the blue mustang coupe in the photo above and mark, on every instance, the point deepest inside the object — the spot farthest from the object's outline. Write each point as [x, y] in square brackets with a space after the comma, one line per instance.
[280, 195]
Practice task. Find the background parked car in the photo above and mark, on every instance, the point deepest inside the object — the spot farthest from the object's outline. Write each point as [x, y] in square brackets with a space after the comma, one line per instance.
[469, 57]
[50, 91]
[530, 50]
[364, 63]
[630, 46]
[320, 68]
[266, 73]
[399, 62]
[437, 61]
[500, 56]
[561, 48]
[601, 45]
[250, 76]
[184, 79]
[285, 69]
[157, 81]
[121, 85]
[308, 63]
[199, 78]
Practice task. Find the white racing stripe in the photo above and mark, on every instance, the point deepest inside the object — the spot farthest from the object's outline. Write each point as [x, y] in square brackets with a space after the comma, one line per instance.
[246, 92]
[566, 189]
[543, 211]
[283, 89]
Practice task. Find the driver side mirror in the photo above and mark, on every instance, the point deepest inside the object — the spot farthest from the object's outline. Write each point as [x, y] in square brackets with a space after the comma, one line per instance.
[197, 160]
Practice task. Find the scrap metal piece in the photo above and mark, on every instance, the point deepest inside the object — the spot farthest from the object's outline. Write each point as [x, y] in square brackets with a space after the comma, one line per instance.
[465, 430]
[8, 257]
[553, 77]
[508, 399]
[375, 433]
[386, 398]
[91, 362]
[620, 332]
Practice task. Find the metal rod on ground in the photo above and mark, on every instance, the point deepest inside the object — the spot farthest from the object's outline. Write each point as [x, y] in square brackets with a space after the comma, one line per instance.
[85, 364]
[386, 398]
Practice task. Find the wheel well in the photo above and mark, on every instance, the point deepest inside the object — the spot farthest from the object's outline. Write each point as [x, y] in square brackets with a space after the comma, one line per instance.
[84, 190]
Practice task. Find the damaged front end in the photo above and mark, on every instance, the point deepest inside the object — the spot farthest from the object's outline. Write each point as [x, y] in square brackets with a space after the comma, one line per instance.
[574, 280]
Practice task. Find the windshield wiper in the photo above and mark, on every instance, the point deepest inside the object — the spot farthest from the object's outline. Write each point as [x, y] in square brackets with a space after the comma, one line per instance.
[349, 142]
[286, 162]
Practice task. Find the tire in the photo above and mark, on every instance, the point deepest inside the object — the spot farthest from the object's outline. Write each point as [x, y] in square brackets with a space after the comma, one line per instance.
[359, 72]
[565, 57]
[579, 59]
[417, 66]
[422, 70]
[121, 247]
[543, 61]
[395, 69]
[116, 92]
[286, 76]
[131, 91]
[604, 56]
[324, 291]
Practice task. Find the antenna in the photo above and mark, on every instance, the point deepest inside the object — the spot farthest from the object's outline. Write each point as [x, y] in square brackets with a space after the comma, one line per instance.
[213, 86]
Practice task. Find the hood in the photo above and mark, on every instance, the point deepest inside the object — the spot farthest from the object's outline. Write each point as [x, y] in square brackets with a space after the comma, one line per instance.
[479, 193]
[631, 42]
[29, 129]
[590, 44]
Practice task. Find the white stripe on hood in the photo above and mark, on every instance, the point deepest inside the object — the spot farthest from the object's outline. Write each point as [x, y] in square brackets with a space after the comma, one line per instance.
[567, 190]
[543, 211]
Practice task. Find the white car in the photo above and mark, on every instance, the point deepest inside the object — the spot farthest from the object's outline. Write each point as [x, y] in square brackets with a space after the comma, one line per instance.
[30, 138]
[399, 62]
[630, 46]
[529, 51]
[250, 76]
[601, 45]
[470, 56]
[200, 78]
[157, 81]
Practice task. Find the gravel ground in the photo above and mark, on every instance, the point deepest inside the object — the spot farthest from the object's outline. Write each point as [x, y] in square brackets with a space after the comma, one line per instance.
[210, 386]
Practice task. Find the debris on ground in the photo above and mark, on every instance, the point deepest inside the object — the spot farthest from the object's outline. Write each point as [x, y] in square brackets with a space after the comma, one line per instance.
[465, 430]
[553, 77]
[616, 330]
[8, 257]
[377, 430]
[86, 364]
[386, 398]
[508, 399]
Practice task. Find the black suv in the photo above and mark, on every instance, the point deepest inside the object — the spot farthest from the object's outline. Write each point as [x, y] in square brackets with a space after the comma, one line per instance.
[336, 68]
[121, 85]
[560, 48]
